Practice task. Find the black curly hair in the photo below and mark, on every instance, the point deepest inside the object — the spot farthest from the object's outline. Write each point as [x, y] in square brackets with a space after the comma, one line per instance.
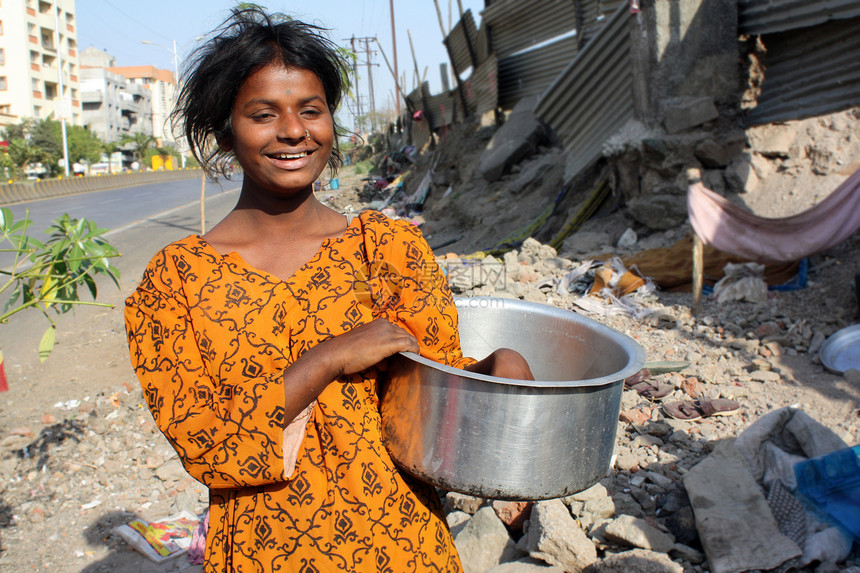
[248, 40]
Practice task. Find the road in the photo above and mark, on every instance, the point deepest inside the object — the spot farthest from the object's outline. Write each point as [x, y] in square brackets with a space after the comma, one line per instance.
[91, 355]
[116, 209]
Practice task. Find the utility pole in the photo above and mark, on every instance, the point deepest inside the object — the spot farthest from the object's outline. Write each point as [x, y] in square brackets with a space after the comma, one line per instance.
[66, 109]
[368, 54]
[355, 75]
[394, 46]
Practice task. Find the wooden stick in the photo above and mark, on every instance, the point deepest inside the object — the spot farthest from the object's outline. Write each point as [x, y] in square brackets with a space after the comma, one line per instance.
[203, 205]
[698, 272]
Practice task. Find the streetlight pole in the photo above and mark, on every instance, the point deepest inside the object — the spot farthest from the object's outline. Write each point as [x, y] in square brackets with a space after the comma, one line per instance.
[176, 87]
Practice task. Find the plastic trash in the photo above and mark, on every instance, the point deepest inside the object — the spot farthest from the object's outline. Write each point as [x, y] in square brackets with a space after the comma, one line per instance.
[334, 184]
[831, 485]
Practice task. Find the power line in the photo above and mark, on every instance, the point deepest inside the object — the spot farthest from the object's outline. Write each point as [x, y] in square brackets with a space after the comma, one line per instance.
[133, 19]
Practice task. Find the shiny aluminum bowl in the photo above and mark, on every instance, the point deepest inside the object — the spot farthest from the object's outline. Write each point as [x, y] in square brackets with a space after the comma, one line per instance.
[512, 439]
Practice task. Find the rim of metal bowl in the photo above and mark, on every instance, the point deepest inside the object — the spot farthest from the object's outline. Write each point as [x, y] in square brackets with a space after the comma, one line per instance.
[632, 348]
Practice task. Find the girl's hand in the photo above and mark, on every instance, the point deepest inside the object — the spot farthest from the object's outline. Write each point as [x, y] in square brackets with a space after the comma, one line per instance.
[351, 352]
[504, 363]
[366, 346]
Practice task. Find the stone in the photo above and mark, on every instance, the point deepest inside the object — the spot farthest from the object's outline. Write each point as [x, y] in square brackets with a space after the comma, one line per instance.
[713, 155]
[740, 175]
[484, 542]
[513, 513]
[555, 537]
[463, 502]
[456, 521]
[765, 376]
[599, 508]
[772, 139]
[661, 211]
[852, 375]
[526, 565]
[817, 340]
[635, 532]
[646, 441]
[171, 470]
[628, 239]
[585, 242]
[597, 491]
[687, 553]
[626, 461]
[638, 560]
[517, 139]
[686, 113]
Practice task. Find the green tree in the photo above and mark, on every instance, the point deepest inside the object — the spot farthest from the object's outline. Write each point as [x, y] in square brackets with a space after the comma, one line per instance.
[46, 275]
[141, 142]
[46, 137]
[22, 154]
[83, 144]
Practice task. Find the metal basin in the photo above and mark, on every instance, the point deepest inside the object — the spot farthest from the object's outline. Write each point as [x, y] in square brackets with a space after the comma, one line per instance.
[512, 439]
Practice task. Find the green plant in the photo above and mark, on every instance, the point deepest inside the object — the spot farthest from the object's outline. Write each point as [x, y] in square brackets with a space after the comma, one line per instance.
[141, 143]
[46, 275]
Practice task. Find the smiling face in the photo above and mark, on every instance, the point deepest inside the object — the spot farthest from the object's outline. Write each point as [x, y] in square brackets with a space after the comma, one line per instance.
[282, 130]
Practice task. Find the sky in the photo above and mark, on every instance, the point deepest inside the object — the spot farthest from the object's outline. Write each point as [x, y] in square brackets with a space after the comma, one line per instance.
[120, 27]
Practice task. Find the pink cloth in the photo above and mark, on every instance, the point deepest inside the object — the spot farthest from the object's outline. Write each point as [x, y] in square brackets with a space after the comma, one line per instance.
[197, 549]
[733, 230]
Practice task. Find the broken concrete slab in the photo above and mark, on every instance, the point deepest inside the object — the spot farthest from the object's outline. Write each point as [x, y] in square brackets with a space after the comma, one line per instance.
[517, 139]
[484, 543]
[555, 537]
[686, 113]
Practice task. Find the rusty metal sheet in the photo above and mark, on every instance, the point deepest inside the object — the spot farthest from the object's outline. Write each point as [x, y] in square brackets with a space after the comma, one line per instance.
[592, 98]
[462, 43]
[809, 72]
[515, 25]
[771, 16]
[529, 73]
[481, 90]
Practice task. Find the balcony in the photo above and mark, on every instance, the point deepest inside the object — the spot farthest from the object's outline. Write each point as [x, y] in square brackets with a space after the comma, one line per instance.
[93, 97]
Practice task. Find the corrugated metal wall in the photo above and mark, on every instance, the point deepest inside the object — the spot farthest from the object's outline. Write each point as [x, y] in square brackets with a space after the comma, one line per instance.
[810, 72]
[482, 87]
[594, 14]
[462, 43]
[515, 25]
[771, 16]
[529, 73]
[592, 98]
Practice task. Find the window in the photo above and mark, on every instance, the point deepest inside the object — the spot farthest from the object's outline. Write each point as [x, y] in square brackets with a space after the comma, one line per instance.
[2, 57]
[1, 27]
[2, 83]
[6, 109]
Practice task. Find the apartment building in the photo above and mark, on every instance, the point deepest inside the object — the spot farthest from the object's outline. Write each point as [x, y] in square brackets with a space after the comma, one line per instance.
[39, 69]
[162, 87]
[113, 106]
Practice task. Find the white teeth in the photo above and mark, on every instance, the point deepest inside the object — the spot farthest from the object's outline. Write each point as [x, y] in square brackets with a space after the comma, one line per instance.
[291, 155]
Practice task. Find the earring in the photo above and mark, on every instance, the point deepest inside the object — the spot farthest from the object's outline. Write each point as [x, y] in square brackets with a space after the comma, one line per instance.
[307, 135]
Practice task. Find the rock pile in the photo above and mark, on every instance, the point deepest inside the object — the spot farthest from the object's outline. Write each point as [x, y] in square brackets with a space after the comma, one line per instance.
[93, 463]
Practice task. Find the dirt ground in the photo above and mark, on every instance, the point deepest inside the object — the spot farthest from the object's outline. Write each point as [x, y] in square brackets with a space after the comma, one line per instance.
[92, 458]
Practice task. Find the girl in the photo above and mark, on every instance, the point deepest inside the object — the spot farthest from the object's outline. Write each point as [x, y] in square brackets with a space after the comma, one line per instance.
[259, 345]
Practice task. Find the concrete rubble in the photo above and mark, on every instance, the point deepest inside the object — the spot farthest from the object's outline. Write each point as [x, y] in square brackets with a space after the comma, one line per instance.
[103, 456]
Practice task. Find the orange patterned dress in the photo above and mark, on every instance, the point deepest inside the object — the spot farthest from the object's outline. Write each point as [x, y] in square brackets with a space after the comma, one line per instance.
[210, 337]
